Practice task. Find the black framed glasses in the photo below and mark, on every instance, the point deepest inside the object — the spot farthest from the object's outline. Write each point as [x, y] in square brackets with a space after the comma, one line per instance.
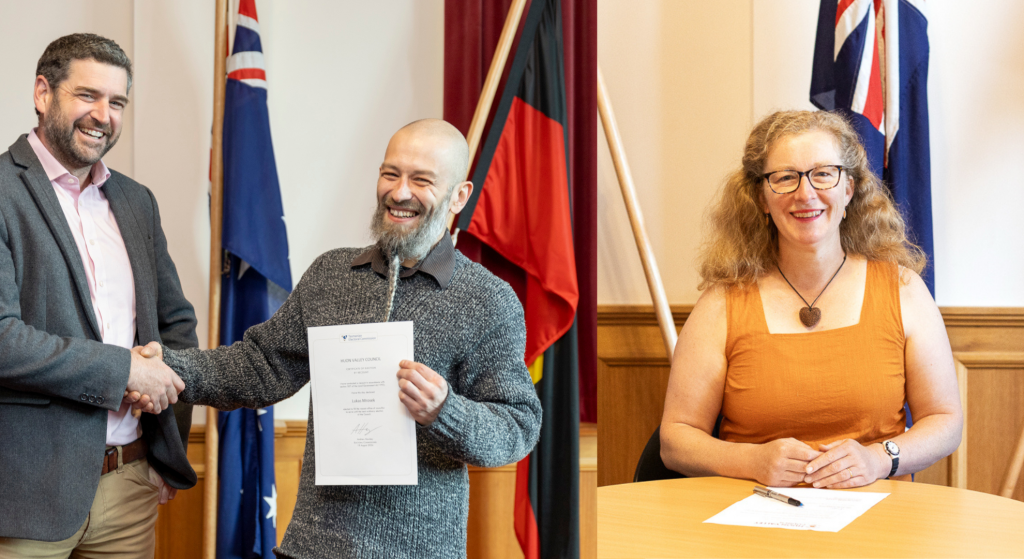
[821, 178]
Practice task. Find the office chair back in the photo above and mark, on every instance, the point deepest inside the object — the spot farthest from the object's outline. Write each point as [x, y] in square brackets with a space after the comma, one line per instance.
[650, 466]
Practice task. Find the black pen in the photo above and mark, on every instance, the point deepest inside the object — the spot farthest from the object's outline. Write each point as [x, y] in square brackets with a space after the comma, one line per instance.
[765, 492]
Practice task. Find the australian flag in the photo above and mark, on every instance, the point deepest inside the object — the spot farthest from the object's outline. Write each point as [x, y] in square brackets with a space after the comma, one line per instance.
[256, 278]
[871, 64]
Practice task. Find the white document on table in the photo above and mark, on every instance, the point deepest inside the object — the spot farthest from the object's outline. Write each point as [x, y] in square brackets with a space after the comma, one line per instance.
[823, 510]
[364, 434]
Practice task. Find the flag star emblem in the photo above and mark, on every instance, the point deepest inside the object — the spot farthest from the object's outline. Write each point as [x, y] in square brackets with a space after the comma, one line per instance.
[272, 503]
[259, 424]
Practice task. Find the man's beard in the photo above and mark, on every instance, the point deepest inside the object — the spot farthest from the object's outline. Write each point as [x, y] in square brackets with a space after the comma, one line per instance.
[62, 138]
[408, 244]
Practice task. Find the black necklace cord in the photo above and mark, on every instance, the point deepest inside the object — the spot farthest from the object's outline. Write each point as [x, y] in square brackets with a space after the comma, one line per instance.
[811, 305]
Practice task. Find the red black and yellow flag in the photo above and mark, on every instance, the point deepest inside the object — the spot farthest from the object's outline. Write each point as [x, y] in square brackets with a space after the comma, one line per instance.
[521, 209]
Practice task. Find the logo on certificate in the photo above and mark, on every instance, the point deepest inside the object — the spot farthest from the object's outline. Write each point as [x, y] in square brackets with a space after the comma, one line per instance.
[359, 337]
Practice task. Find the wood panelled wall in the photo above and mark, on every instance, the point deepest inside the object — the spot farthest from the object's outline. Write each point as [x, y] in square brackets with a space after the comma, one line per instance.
[490, 531]
[988, 344]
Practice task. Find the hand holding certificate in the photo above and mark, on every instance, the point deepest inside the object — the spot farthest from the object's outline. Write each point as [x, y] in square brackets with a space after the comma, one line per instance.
[423, 391]
[365, 435]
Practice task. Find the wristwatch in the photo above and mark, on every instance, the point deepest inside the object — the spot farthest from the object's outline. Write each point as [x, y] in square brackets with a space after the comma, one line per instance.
[893, 450]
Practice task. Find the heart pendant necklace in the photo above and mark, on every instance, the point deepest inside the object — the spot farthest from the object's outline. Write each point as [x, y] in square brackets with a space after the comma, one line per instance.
[809, 315]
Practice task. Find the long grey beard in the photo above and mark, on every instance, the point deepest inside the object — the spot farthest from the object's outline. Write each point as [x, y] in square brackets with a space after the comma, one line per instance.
[413, 245]
[398, 245]
[394, 269]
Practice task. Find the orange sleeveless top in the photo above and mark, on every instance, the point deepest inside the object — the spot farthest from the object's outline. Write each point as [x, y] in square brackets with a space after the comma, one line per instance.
[816, 387]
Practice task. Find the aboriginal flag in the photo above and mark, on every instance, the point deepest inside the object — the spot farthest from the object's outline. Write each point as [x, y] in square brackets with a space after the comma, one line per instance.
[521, 210]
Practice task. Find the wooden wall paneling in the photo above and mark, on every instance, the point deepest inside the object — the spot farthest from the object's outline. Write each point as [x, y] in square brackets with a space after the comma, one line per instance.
[987, 342]
[632, 376]
[588, 490]
[179, 525]
[958, 460]
[936, 474]
[491, 532]
[490, 529]
[952, 471]
[180, 522]
[289, 446]
[1016, 469]
[630, 401]
[985, 329]
[995, 416]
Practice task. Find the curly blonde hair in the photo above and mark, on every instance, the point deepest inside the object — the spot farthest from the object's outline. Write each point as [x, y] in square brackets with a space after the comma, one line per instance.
[739, 248]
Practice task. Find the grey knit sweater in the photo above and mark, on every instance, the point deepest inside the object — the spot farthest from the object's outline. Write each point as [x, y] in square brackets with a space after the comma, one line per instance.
[471, 332]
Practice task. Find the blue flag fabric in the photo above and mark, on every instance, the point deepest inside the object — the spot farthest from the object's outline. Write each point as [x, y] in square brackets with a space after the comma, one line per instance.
[871, 65]
[254, 283]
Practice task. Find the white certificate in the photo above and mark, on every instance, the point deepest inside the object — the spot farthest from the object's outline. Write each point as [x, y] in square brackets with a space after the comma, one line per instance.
[364, 434]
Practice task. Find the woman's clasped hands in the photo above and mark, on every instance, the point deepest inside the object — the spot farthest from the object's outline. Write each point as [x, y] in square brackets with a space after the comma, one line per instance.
[846, 463]
[783, 462]
[840, 464]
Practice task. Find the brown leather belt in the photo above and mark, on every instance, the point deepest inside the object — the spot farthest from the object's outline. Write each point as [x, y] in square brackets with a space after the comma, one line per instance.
[129, 453]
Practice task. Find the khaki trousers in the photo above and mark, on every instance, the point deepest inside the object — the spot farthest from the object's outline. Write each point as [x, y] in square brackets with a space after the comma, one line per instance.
[120, 523]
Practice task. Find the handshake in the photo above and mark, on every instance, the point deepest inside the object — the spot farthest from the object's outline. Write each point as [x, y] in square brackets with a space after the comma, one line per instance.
[152, 385]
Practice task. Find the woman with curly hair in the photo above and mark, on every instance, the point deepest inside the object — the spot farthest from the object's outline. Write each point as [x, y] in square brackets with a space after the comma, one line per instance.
[814, 327]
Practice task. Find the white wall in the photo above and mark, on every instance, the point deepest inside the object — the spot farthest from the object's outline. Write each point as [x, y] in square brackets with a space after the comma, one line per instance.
[976, 99]
[976, 102]
[679, 79]
[343, 76]
[687, 79]
[681, 139]
[20, 25]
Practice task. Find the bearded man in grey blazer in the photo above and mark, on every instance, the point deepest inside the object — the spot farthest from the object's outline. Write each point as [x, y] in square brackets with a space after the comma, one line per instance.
[84, 276]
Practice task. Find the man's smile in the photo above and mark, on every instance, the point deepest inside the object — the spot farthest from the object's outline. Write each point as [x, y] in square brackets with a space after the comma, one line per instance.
[91, 133]
[402, 213]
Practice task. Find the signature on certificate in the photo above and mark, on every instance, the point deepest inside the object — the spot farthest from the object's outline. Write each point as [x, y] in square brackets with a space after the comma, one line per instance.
[363, 429]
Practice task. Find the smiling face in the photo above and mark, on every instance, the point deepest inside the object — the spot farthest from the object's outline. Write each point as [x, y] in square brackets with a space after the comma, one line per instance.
[81, 118]
[807, 217]
[419, 184]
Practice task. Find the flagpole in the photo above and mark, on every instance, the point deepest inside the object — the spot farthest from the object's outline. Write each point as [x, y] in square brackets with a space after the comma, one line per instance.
[483, 105]
[216, 225]
[636, 218]
[1013, 471]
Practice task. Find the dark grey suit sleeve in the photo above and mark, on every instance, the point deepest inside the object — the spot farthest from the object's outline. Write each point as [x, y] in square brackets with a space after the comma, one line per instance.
[175, 315]
[269, 364]
[38, 362]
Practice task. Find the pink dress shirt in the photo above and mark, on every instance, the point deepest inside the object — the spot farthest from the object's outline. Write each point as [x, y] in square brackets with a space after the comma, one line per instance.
[106, 264]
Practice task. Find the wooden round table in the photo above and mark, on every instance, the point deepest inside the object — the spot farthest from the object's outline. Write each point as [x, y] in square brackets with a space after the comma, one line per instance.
[665, 519]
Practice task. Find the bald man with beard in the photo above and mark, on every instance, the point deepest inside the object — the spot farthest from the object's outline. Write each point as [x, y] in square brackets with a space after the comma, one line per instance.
[468, 390]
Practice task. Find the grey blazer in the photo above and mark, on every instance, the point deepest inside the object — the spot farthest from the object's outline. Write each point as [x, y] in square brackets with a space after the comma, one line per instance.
[57, 380]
